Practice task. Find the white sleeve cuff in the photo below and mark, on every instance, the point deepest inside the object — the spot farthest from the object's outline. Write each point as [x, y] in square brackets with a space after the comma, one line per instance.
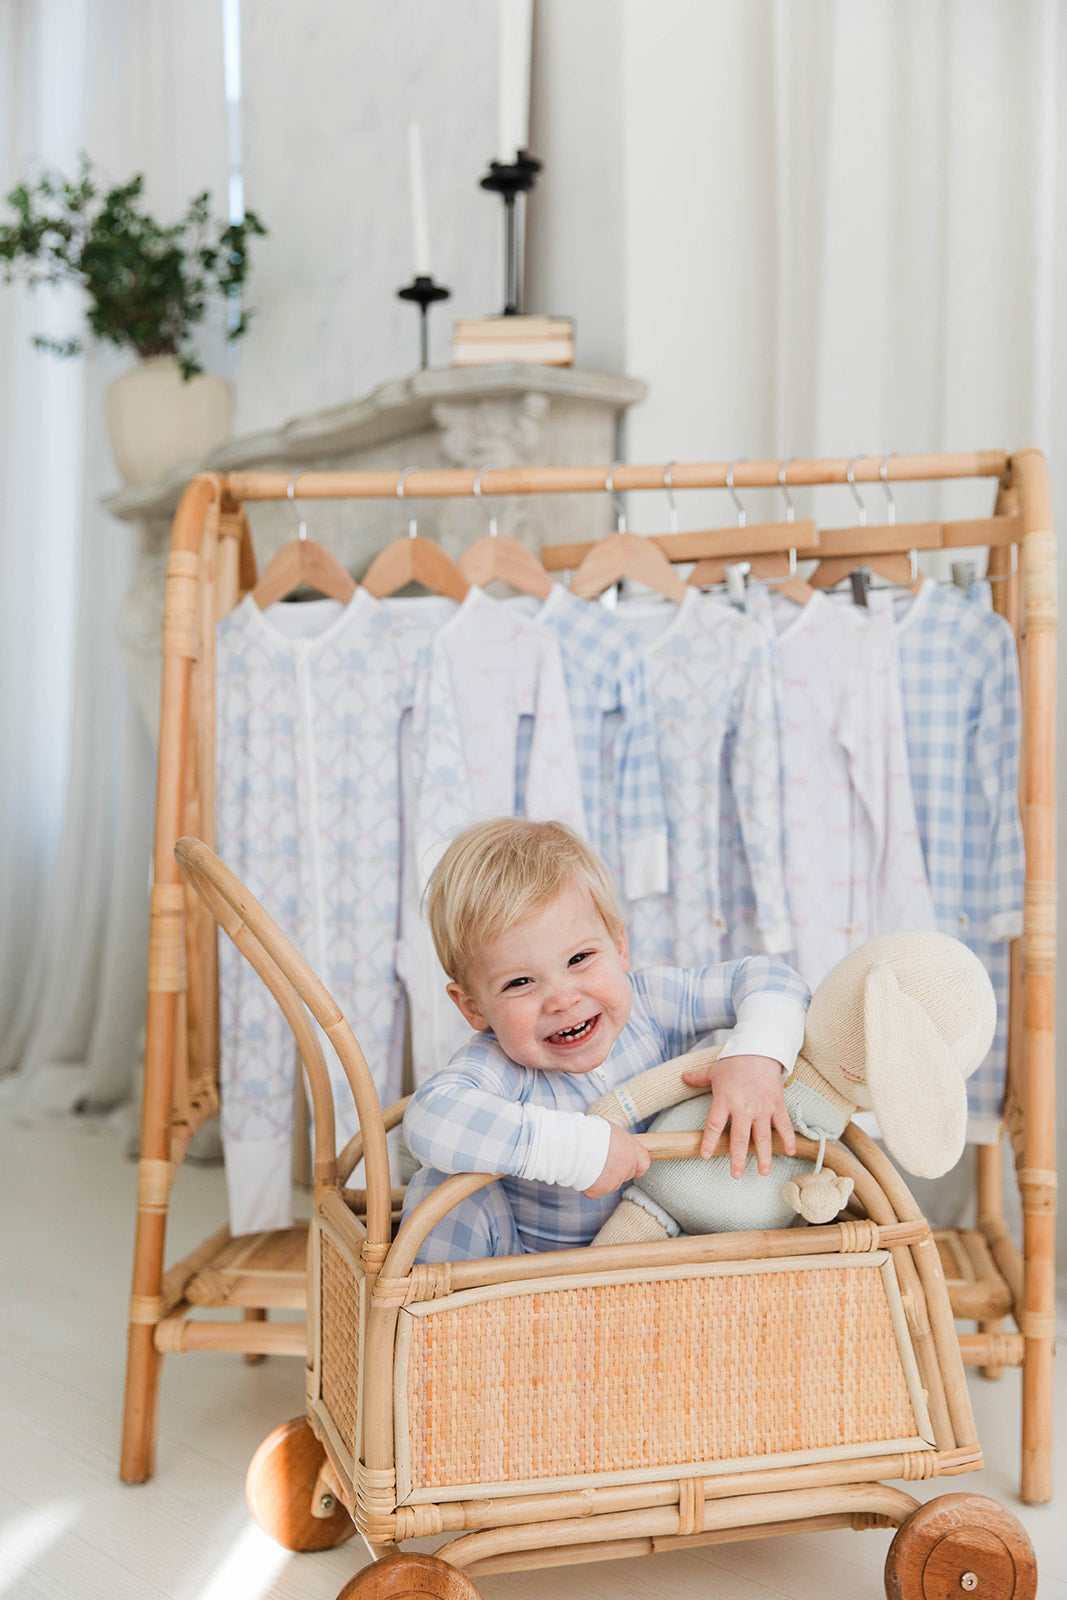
[565, 1147]
[644, 866]
[1005, 925]
[767, 1025]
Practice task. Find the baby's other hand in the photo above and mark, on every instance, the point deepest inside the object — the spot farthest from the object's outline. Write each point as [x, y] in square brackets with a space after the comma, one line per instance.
[627, 1158]
[747, 1093]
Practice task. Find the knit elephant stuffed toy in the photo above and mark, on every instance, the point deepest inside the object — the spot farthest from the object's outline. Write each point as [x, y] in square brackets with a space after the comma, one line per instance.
[894, 1028]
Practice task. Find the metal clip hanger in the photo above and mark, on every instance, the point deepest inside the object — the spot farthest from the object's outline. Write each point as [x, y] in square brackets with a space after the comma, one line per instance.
[879, 550]
[759, 568]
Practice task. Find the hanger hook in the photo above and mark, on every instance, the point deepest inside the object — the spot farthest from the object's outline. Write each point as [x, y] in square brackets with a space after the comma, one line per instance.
[413, 526]
[891, 505]
[477, 491]
[620, 514]
[742, 517]
[673, 515]
[790, 508]
[851, 476]
[291, 497]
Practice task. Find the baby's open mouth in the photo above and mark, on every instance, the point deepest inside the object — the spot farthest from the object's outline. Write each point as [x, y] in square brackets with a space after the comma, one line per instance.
[575, 1035]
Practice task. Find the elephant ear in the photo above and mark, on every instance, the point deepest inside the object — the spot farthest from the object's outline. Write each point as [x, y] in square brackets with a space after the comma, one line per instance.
[915, 1085]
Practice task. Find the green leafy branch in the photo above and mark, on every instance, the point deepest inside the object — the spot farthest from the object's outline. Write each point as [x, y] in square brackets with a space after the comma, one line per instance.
[148, 286]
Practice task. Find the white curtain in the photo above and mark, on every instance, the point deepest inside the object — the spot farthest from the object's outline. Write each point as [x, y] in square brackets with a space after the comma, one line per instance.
[115, 78]
[851, 210]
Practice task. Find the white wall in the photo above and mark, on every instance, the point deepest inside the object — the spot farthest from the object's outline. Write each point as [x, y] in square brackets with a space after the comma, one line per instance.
[329, 90]
[576, 245]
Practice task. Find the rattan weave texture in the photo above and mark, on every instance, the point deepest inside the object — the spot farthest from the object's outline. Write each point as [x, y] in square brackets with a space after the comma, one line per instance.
[636, 1376]
[340, 1325]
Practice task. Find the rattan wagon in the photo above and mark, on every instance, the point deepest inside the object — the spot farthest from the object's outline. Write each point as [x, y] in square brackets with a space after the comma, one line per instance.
[609, 1401]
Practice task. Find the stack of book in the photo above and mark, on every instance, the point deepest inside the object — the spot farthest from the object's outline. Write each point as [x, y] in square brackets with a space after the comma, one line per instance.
[547, 341]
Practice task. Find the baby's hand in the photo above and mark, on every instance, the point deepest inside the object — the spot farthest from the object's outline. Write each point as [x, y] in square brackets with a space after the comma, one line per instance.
[747, 1093]
[627, 1158]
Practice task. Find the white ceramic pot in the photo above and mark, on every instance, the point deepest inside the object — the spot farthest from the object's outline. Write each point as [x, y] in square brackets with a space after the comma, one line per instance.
[157, 420]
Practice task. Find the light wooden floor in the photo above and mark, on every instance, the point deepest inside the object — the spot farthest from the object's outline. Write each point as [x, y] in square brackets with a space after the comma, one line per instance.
[69, 1529]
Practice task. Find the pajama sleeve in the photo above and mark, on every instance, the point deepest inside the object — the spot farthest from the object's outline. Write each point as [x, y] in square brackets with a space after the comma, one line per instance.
[894, 893]
[471, 1117]
[901, 888]
[755, 778]
[553, 785]
[1001, 870]
[762, 1000]
[642, 816]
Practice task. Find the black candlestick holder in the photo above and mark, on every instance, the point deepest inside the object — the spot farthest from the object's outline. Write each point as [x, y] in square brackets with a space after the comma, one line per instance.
[508, 180]
[423, 291]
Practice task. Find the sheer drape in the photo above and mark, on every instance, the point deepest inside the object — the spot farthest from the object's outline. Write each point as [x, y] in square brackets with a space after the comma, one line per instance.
[113, 78]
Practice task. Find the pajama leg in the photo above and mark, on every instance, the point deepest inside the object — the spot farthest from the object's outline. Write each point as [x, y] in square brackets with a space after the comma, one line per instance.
[481, 1225]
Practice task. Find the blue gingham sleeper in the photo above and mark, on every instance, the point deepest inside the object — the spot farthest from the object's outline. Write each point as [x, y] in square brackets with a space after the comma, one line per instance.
[472, 1115]
[605, 674]
[960, 681]
[709, 674]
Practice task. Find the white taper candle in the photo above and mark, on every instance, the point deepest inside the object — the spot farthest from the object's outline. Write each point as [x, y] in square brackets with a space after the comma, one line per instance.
[419, 224]
[515, 41]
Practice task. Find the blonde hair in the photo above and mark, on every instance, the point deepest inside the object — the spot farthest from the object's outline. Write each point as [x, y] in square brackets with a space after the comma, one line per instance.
[496, 874]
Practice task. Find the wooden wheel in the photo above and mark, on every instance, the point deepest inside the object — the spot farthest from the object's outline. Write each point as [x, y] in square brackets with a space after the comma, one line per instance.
[280, 1485]
[409, 1577]
[960, 1545]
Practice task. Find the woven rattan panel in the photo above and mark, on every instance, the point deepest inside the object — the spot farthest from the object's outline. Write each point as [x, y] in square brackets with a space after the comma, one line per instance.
[637, 1376]
[340, 1327]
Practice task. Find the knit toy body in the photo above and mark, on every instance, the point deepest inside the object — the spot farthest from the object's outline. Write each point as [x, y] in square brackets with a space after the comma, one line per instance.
[691, 1195]
[896, 1027]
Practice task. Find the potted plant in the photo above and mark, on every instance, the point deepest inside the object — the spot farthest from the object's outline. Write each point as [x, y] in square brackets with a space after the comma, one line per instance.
[147, 288]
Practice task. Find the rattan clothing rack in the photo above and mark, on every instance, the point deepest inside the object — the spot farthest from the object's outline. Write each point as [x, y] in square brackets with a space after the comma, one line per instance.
[211, 566]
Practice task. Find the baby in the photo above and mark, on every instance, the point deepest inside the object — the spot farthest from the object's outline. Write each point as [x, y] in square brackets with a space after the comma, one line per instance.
[526, 924]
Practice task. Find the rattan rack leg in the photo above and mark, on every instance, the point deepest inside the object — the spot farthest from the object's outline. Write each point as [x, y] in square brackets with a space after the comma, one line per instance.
[143, 1363]
[1036, 1171]
[166, 984]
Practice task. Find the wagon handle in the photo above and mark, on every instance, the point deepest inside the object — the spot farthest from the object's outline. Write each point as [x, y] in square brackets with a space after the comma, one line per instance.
[295, 987]
[660, 1146]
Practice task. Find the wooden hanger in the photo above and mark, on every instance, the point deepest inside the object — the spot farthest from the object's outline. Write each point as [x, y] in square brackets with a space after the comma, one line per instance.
[764, 568]
[625, 555]
[413, 560]
[302, 562]
[500, 556]
[898, 567]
